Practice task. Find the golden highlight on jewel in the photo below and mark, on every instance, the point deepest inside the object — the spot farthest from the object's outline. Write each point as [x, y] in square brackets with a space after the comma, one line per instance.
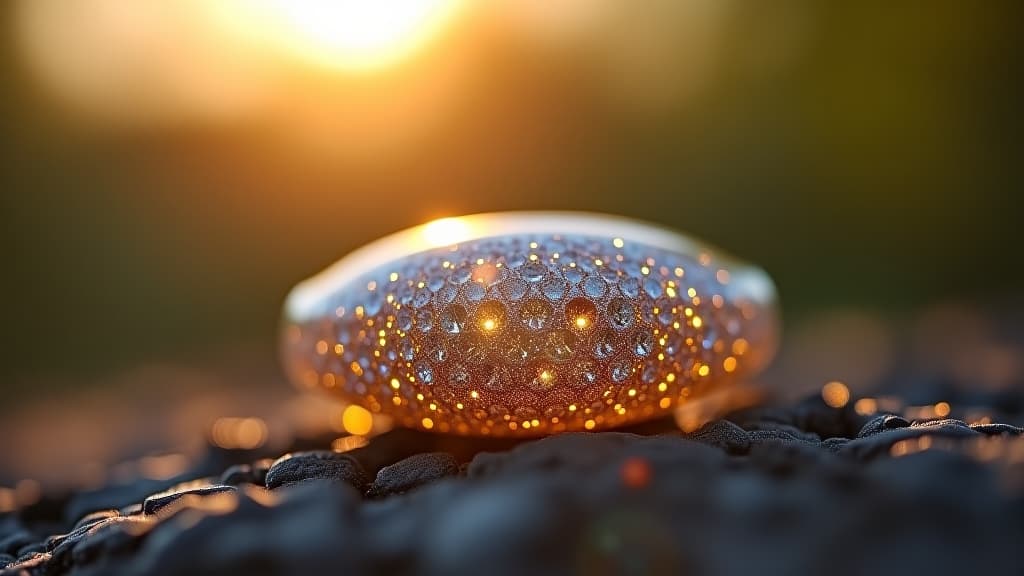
[529, 323]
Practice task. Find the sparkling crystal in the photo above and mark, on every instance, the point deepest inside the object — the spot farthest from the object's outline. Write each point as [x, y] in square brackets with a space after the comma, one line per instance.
[533, 271]
[573, 274]
[406, 350]
[544, 379]
[475, 353]
[643, 343]
[439, 354]
[604, 344]
[448, 293]
[580, 314]
[653, 287]
[516, 350]
[403, 320]
[424, 372]
[594, 287]
[560, 345]
[496, 380]
[515, 260]
[489, 317]
[554, 288]
[587, 373]
[630, 287]
[435, 282]
[621, 313]
[608, 274]
[405, 294]
[556, 326]
[621, 370]
[453, 319]
[459, 377]
[475, 291]
[536, 314]
[514, 288]
[424, 320]
[421, 298]
[462, 274]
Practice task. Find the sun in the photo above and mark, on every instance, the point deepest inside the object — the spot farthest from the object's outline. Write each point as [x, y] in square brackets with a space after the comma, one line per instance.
[347, 34]
[361, 34]
[446, 231]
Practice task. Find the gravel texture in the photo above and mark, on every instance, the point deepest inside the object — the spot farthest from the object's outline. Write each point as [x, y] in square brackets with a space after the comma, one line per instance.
[801, 489]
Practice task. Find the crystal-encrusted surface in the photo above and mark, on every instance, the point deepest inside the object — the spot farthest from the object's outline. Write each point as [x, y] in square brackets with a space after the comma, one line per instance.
[533, 333]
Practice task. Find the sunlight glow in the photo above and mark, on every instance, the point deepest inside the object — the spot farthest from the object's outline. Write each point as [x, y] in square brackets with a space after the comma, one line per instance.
[356, 34]
[446, 231]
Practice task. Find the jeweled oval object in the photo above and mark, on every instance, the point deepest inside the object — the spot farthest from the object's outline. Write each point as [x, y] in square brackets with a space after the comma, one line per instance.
[529, 323]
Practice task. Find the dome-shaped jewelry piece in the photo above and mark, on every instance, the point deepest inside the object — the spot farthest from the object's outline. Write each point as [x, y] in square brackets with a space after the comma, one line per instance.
[529, 323]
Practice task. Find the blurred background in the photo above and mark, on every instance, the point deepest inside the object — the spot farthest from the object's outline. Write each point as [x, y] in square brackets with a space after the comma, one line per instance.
[171, 169]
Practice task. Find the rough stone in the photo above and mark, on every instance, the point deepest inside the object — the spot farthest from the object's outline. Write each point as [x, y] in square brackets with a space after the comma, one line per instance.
[723, 434]
[316, 465]
[157, 502]
[413, 472]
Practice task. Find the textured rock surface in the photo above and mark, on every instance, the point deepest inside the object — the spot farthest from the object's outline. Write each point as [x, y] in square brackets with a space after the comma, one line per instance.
[413, 472]
[316, 465]
[804, 489]
[157, 502]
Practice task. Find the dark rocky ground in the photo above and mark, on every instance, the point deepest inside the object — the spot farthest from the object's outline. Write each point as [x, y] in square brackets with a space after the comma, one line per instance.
[798, 489]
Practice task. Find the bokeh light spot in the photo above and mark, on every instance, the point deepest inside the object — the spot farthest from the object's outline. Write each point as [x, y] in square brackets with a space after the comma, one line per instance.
[357, 420]
[636, 473]
[835, 394]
